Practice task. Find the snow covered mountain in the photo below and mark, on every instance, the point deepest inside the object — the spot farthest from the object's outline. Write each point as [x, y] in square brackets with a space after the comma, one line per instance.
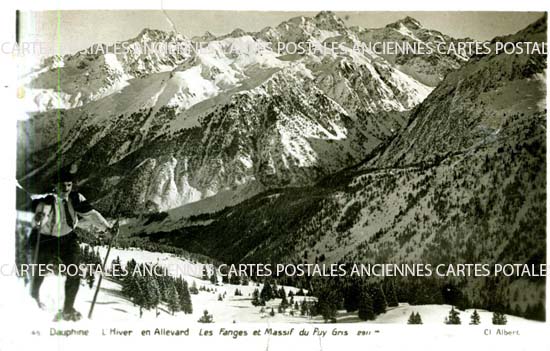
[428, 69]
[473, 105]
[154, 131]
[99, 71]
[464, 181]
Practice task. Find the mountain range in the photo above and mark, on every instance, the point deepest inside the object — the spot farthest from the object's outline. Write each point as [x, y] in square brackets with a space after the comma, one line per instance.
[337, 156]
[155, 131]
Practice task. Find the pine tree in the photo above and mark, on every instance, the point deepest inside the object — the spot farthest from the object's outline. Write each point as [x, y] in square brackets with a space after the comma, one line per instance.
[130, 266]
[283, 305]
[154, 293]
[256, 299]
[164, 283]
[116, 261]
[365, 306]
[414, 318]
[205, 273]
[184, 296]
[193, 289]
[272, 313]
[499, 318]
[131, 288]
[351, 296]
[391, 295]
[206, 318]
[214, 277]
[186, 302]
[267, 292]
[275, 290]
[304, 309]
[173, 300]
[453, 317]
[281, 292]
[474, 318]
[378, 299]
[138, 293]
[284, 302]
[327, 304]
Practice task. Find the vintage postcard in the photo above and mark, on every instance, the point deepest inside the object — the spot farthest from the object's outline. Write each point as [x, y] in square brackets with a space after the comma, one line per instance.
[269, 179]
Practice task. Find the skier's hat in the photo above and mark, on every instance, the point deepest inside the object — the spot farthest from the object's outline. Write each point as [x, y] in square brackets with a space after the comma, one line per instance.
[65, 176]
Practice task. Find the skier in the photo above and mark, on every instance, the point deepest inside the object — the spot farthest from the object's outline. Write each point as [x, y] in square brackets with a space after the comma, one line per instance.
[53, 239]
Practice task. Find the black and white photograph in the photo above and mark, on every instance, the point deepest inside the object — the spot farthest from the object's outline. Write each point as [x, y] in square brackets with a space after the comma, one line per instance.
[279, 168]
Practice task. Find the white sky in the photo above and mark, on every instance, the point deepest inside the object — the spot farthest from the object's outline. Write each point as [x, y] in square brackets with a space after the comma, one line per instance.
[80, 29]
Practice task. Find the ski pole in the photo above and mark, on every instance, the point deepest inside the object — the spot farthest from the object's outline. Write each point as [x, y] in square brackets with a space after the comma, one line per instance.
[36, 228]
[35, 258]
[115, 230]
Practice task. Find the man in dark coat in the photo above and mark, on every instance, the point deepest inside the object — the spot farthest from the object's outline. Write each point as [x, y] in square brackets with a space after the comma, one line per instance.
[56, 217]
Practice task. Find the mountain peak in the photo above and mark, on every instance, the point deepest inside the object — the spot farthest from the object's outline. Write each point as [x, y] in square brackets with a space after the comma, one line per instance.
[238, 32]
[149, 31]
[325, 14]
[207, 36]
[158, 35]
[153, 34]
[408, 22]
[328, 20]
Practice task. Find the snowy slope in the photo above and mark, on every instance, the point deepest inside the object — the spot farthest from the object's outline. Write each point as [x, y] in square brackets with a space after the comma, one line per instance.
[112, 306]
